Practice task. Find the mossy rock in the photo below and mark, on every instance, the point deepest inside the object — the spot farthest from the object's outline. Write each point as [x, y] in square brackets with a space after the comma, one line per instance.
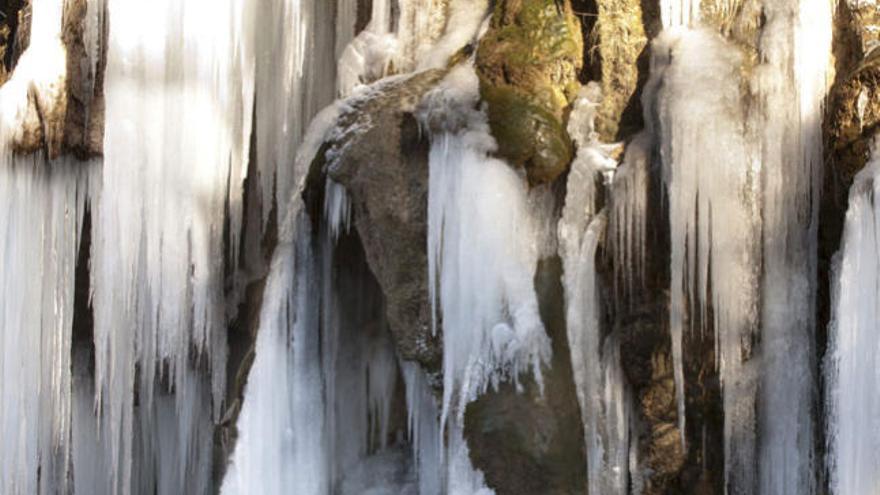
[528, 63]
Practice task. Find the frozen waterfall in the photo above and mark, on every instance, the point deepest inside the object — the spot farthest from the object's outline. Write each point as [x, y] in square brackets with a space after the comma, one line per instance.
[852, 367]
[201, 303]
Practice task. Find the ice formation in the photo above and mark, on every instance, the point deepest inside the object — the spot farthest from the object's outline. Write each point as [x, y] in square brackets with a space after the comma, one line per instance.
[202, 94]
[791, 85]
[292, 46]
[755, 275]
[678, 13]
[482, 256]
[714, 223]
[41, 214]
[601, 387]
[42, 207]
[423, 424]
[324, 375]
[175, 155]
[337, 391]
[852, 368]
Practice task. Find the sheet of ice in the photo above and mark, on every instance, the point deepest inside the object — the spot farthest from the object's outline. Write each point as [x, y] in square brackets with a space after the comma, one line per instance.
[853, 360]
[424, 431]
[791, 84]
[42, 204]
[41, 212]
[714, 224]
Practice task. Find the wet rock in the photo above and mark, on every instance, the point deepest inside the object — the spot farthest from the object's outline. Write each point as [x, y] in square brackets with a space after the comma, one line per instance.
[620, 41]
[525, 442]
[62, 111]
[852, 117]
[381, 158]
[528, 63]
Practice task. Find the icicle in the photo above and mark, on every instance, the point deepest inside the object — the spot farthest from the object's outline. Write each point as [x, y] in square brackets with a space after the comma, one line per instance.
[295, 78]
[676, 13]
[175, 153]
[42, 204]
[590, 160]
[584, 337]
[41, 213]
[282, 430]
[792, 81]
[337, 208]
[853, 363]
[482, 257]
[423, 422]
[713, 212]
[627, 223]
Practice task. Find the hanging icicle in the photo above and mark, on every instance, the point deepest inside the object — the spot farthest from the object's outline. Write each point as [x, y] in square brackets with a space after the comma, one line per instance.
[791, 85]
[175, 154]
[714, 222]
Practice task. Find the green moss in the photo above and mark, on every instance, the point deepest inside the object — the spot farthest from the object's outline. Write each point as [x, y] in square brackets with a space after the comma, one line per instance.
[528, 64]
[527, 133]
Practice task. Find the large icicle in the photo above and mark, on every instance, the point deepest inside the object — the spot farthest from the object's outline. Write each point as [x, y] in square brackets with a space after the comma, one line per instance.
[791, 86]
[423, 421]
[295, 78]
[601, 387]
[175, 153]
[41, 213]
[482, 254]
[483, 248]
[713, 217]
[853, 363]
[678, 13]
[42, 204]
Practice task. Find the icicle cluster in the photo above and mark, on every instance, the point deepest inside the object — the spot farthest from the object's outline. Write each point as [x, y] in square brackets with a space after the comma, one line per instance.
[175, 154]
[42, 207]
[678, 13]
[791, 85]
[482, 255]
[317, 375]
[713, 217]
[758, 270]
[601, 387]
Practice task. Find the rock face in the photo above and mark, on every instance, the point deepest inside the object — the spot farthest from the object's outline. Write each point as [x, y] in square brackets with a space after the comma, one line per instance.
[63, 111]
[620, 43]
[528, 63]
[852, 117]
[382, 161]
[526, 442]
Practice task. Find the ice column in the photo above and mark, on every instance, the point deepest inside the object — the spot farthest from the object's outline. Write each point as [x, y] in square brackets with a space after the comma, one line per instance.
[714, 224]
[791, 86]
